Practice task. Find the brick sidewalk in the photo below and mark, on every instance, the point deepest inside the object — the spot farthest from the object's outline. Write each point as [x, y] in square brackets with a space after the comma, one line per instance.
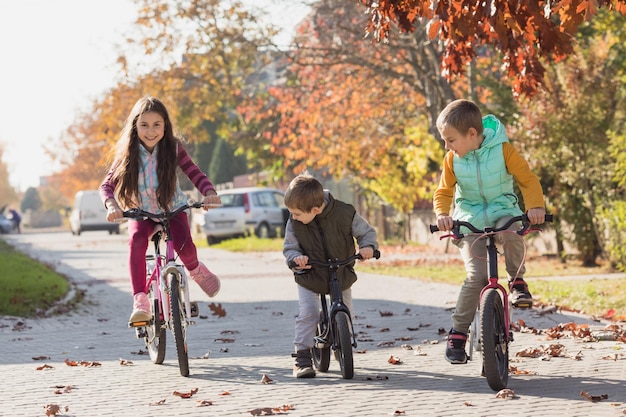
[259, 297]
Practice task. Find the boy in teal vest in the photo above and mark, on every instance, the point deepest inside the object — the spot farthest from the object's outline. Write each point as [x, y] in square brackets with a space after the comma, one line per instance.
[320, 228]
[478, 173]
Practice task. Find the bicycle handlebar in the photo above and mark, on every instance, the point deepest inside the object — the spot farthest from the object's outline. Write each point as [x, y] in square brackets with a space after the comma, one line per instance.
[136, 213]
[335, 263]
[457, 224]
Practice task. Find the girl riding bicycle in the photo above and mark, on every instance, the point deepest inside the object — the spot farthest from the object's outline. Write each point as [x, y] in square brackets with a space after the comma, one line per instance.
[321, 228]
[478, 173]
[143, 175]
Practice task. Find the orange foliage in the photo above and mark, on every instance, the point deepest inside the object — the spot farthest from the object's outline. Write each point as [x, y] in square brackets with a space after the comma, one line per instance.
[524, 32]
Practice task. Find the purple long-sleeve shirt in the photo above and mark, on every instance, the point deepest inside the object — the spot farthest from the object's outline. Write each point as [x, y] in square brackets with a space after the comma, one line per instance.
[149, 181]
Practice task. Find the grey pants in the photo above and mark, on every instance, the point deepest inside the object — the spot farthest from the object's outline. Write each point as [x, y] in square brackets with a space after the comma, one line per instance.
[309, 306]
[474, 254]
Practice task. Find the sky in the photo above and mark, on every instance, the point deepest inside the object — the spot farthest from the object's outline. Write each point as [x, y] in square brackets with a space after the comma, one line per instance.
[58, 56]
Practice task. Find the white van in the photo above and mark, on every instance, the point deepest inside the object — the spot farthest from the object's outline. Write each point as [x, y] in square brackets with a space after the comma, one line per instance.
[89, 213]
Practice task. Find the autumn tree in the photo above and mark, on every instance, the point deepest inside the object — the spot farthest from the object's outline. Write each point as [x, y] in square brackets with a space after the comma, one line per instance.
[7, 192]
[529, 34]
[570, 129]
[332, 36]
[210, 49]
[82, 150]
[352, 110]
[31, 200]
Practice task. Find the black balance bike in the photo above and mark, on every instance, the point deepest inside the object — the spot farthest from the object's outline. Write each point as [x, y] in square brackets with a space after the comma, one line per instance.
[334, 330]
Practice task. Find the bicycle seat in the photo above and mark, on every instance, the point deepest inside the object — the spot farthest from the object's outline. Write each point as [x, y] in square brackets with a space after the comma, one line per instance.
[158, 228]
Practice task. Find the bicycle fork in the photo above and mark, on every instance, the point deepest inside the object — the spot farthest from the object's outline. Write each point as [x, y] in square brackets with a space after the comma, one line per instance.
[177, 272]
[492, 262]
[338, 306]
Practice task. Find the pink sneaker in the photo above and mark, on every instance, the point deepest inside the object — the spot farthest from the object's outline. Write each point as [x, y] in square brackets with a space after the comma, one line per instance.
[141, 308]
[207, 280]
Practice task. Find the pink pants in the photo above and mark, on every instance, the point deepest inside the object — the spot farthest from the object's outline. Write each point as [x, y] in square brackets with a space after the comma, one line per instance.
[139, 232]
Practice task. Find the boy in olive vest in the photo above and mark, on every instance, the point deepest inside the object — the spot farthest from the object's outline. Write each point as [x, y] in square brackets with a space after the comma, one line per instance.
[478, 173]
[320, 228]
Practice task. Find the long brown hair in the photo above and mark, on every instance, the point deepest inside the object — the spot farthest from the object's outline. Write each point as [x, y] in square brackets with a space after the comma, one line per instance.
[126, 160]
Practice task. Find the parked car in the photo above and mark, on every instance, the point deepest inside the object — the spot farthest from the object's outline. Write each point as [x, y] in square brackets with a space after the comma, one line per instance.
[88, 213]
[6, 225]
[244, 212]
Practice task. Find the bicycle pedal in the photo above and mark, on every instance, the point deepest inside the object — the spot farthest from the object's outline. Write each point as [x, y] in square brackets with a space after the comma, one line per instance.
[136, 324]
[320, 343]
[523, 305]
[195, 310]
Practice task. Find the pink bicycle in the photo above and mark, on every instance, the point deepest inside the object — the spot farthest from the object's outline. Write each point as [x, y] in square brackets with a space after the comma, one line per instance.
[168, 290]
[492, 334]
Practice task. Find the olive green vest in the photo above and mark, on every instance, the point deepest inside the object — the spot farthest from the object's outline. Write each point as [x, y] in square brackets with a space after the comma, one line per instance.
[329, 235]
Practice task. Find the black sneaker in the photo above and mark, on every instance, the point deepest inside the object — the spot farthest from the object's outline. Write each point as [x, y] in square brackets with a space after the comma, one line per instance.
[455, 348]
[520, 296]
[303, 368]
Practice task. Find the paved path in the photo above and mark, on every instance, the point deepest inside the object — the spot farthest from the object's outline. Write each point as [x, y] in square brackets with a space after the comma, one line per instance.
[259, 297]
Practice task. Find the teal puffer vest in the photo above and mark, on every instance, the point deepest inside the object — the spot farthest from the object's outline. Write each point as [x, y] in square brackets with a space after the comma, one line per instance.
[484, 189]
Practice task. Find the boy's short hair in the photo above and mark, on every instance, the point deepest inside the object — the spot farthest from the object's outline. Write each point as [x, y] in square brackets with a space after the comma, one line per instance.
[304, 193]
[461, 115]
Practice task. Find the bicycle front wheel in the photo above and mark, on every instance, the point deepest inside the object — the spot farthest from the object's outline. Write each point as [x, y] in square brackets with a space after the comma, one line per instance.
[155, 333]
[179, 323]
[343, 341]
[494, 340]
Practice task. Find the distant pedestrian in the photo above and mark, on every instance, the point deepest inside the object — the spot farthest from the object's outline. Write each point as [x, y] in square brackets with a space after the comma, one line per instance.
[17, 220]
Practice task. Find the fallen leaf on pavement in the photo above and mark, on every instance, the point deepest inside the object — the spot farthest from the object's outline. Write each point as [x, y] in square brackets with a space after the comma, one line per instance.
[82, 363]
[266, 379]
[53, 409]
[270, 411]
[185, 394]
[217, 310]
[594, 398]
[225, 340]
[64, 390]
[394, 360]
[506, 394]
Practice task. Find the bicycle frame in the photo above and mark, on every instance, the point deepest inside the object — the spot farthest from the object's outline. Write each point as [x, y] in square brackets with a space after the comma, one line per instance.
[335, 328]
[493, 277]
[336, 306]
[165, 265]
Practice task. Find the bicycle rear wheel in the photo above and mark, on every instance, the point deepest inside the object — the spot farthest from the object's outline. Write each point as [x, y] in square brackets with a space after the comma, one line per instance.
[155, 333]
[321, 355]
[343, 341]
[494, 340]
[179, 323]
